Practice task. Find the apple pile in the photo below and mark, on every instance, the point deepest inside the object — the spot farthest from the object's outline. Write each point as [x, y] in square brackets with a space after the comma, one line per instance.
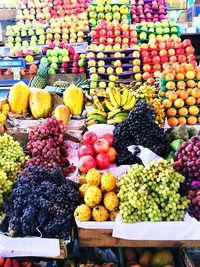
[109, 65]
[157, 54]
[34, 10]
[64, 60]
[149, 30]
[150, 11]
[25, 35]
[30, 69]
[110, 33]
[109, 12]
[70, 29]
[96, 152]
[62, 8]
[180, 92]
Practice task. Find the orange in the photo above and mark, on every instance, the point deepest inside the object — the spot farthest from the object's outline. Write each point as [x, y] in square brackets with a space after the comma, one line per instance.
[191, 83]
[197, 69]
[183, 111]
[181, 85]
[192, 120]
[180, 76]
[179, 68]
[196, 93]
[172, 121]
[193, 110]
[182, 120]
[183, 94]
[197, 76]
[170, 85]
[169, 77]
[179, 103]
[198, 119]
[162, 94]
[198, 101]
[190, 74]
[190, 101]
[171, 112]
[198, 84]
[189, 91]
[172, 96]
[167, 103]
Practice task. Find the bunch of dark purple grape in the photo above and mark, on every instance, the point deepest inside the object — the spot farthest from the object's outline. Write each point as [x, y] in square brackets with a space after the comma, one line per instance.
[194, 196]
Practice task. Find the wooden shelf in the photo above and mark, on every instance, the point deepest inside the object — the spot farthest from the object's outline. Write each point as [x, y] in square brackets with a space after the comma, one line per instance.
[103, 238]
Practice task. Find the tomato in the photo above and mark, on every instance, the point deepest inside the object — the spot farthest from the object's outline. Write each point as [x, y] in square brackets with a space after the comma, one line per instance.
[86, 163]
[109, 138]
[89, 138]
[101, 145]
[112, 153]
[85, 151]
[103, 161]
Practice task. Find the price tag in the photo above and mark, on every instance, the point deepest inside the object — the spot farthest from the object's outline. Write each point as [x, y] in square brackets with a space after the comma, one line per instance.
[11, 64]
[16, 74]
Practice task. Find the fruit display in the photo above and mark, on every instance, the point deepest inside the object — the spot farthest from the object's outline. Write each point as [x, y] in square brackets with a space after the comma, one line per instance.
[181, 93]
[35, 10]
[62, 8]
[96, 152]
[151, 193]
[100, 198]
[156, 55]
[193, 195]
[42, 201]
[149, 30]
[46, 146]
[109, 65]
[40, 79]
[111, 33]
[139, 128]
[69, 29]
[25, 35]
[109, 12]
[149, 11]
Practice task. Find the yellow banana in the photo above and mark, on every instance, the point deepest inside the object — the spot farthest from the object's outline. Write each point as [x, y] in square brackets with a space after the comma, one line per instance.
[98, 103]
[117, 96]
[115, 120]
[91, 122]
[129, 97]
[131, 104]
[97, 112]
[109, 105]
[124, 97]
[113, 113]
[112, 99]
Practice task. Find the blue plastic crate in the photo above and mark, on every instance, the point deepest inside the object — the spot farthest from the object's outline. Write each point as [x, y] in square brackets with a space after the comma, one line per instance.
[193, 11]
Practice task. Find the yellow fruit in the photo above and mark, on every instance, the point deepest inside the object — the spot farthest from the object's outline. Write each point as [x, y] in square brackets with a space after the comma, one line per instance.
[108, 182]
[18, 97]
[2, 118]
[73, 99]
[111, 201]
[5, 108]
[93, 196]
[82, 189]
[40, 103]
[82, 213]
[93, 177]
[100, 214]
[62, 113]
[29, 59]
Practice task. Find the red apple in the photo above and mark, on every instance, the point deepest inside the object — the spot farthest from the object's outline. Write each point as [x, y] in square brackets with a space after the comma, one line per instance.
[109, 138]
[85, 151]
[101, 145]
[89, 138]
[86, 163]
[103, 160]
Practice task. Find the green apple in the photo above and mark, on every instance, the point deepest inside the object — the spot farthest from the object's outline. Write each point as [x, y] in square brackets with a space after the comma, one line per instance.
[159, 30]
[136, 69]
[94, 77]
[54, 65]
[90, 55]
[100, 55]
[83, 56]
[33, 43]
[101, 63]
[82, 62]
[48, 53]
[116, 47]
[64, 52]
[166, 30]
[10, 39]
[112, 78]
[60, 59]
[93, 85]
[42, 37]
[101, 47]
[151, 29]
[18, 44]
[101, 70]
[25, 43]
[54, 53]
[174, 29]
[107, 8]
[37, 49]
[143, 36]
[117, 16]
[41, 42]
[144, 28]
[119, 70]
[92, 63]
[117, 63]
[24, 33]
[49, 59]
[18, 39]
[117, 54]
[51, 71]
[92, 70]
[110, 70]
[66, 59]
[102, 84]
[111, 85]
[108, 48]
[55, 59]
[33, 38]
[31, 32]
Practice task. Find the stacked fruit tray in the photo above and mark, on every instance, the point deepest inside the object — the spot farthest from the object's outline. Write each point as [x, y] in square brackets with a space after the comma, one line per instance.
[109, 33]
[149, 30]
[180, 92]
[108, 68]
[70, 29]
[64, 60]
[156, 56]
[25, 35]
[146, 10]
[108, 12]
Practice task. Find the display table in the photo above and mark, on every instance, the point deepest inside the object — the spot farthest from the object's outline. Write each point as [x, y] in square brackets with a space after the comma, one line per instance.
[103, 238]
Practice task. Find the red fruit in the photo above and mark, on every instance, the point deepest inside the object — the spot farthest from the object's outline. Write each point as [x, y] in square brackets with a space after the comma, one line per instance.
[89, 138]
[86, 163]
[156, 60]
[112, 153]
[76, 57]
[103, 161]
[82, 70]
[15, 263]
[2, 260]
[75, 70]
[85, 151]
[154, 53]
[187, 42]
[101, 145]
[8, 263]
[109, 138]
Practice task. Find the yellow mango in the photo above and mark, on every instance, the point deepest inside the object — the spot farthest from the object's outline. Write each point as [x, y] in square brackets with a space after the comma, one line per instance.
[73, 99]
[62, 113]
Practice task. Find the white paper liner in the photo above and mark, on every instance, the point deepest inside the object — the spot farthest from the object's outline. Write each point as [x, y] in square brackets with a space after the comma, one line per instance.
[95, 225]
[29, 246]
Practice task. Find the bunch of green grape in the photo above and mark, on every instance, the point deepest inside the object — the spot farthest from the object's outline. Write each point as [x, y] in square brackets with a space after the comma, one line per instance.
[5, 189]
[151, 193]
[12, 156]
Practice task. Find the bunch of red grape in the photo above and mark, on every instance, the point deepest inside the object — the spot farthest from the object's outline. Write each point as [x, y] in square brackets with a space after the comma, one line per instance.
[47, 148]
[194, 196]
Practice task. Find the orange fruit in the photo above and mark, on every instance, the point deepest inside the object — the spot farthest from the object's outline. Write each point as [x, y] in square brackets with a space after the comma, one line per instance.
[170, 85]
[189, 91]
[172, 96]
[193, 110]
[180, 76]
[183, 94]
[167, 103]
[183, 111]
[196, 93]
[162, 94]
[172, 121]
[182, 120]
[198, 119]
[198, 84]
[181, 85]
[171, 112]
[179, 69]
[190, 74]
[191, 83]
[169, 77]
[198, 101]
[192, 120]
[197, 76]
[190, 101]
[197, 69]
[179, 103]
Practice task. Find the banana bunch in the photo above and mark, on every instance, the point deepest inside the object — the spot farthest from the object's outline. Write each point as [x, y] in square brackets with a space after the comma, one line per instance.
[159, 109]
[146, 91]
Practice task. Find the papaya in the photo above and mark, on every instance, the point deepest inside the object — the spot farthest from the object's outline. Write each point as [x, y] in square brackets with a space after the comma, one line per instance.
[73, 98]
[40, 103]
[19, 97]
[62, 113]
[162, 258]
[145, 258]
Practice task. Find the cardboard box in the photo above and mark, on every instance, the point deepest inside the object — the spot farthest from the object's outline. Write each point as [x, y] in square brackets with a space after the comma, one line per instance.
[193, 11]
